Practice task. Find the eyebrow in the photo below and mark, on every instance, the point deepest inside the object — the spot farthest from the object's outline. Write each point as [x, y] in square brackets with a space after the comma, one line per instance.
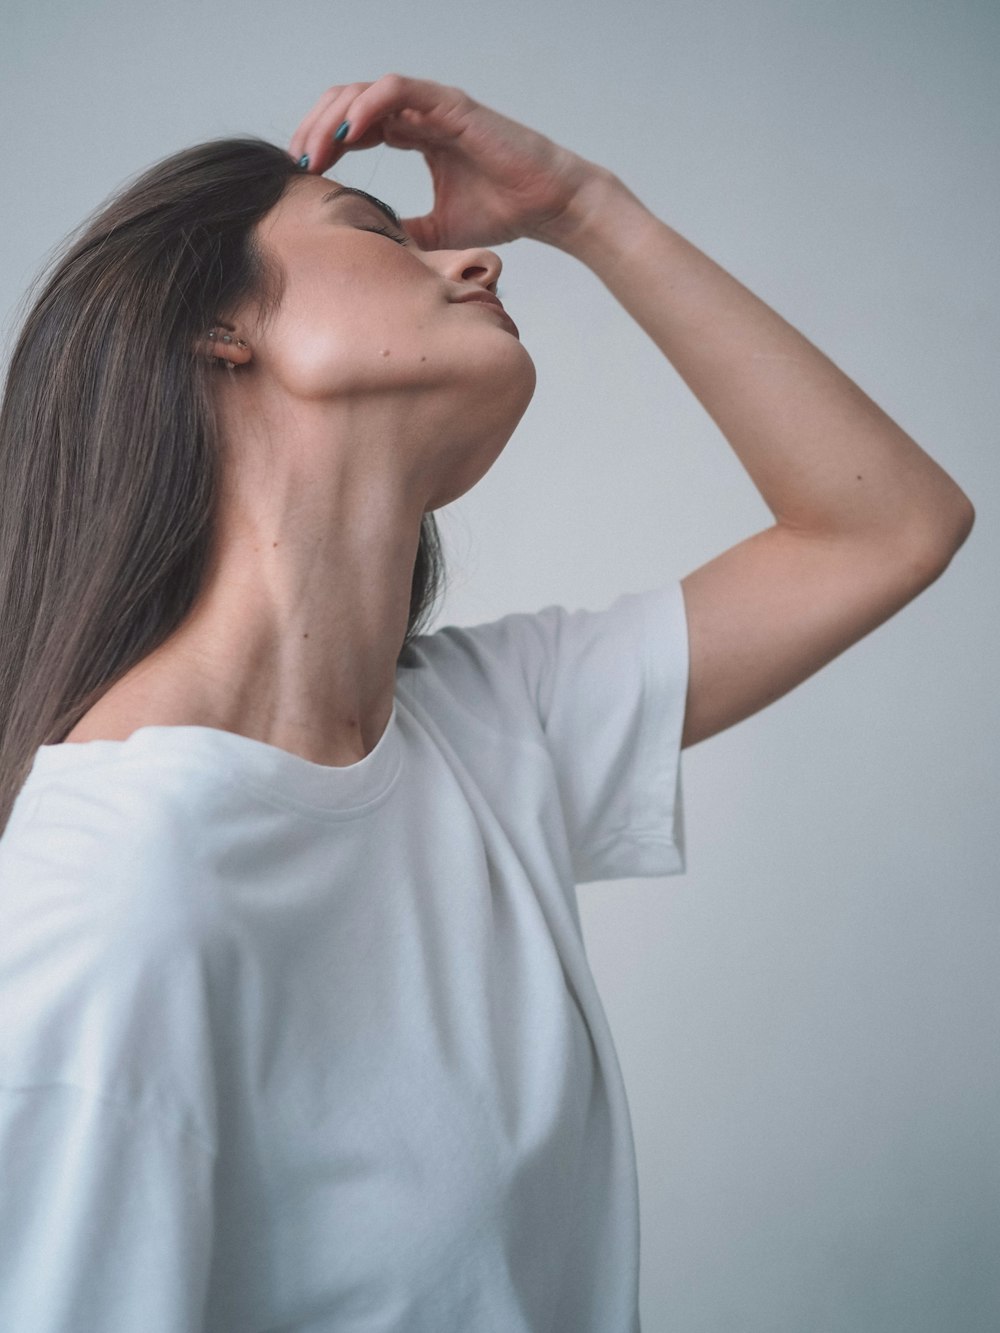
[339, 191]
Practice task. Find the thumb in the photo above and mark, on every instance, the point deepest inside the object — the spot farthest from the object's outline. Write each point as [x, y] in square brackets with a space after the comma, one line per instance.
[423, 231]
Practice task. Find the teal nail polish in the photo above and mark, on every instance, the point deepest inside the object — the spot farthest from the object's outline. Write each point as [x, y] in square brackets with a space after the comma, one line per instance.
[304, 160]
[342, 131]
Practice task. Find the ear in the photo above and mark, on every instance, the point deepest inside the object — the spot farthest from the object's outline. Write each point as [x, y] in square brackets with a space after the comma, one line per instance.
[223, 342]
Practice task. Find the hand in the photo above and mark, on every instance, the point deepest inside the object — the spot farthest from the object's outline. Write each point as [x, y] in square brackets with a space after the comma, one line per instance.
[494, 180]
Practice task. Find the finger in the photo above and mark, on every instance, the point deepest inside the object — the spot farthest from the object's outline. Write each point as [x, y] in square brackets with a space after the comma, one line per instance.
[317, 143]
[313, 137]
[406, 129]
[392, 95]
[296, 144]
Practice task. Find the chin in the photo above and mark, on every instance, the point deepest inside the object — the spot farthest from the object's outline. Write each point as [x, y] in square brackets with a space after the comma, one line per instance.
[494, 402]
[512, 377]
[462, 474]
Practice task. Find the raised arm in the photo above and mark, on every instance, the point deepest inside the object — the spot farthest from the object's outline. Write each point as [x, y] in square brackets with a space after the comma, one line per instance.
[864, 518]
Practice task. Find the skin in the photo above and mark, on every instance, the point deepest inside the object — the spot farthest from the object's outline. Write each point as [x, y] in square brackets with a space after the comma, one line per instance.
[369, 399]
[338, 452]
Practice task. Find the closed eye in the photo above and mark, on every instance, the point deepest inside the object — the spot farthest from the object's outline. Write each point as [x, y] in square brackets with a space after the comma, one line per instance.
[392, 235]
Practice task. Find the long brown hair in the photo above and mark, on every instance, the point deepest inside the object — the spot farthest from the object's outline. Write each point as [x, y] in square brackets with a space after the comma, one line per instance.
[109, 444]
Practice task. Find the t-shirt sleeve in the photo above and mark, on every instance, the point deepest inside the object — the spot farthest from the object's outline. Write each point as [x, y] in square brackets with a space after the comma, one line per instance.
[104, 1216]
[107, 1148]
[606, 692]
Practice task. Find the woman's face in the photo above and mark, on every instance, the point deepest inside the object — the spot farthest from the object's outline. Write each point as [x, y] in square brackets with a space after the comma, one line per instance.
[365, 313]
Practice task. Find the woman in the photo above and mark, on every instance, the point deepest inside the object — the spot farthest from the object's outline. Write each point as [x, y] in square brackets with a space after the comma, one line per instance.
[298, 1028]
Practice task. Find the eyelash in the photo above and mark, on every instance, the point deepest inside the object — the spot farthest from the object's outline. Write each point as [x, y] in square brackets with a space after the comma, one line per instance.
[401, 240]
[393, 236]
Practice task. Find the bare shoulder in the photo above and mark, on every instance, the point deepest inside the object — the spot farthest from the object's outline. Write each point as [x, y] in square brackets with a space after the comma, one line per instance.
[123, 709]
[96, 726]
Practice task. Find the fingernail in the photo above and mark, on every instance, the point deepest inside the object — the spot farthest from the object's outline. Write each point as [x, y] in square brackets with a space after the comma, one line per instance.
[342, 131]
[304, 160]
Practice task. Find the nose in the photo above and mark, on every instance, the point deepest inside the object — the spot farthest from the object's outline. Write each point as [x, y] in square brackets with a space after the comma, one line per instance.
[473, 265]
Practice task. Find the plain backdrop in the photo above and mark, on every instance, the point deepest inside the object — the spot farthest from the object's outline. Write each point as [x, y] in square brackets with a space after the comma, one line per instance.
[807, 1019]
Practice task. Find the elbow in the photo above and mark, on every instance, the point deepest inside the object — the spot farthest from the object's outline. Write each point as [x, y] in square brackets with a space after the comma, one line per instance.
[939, 542]
[968, 518]
[961, 523]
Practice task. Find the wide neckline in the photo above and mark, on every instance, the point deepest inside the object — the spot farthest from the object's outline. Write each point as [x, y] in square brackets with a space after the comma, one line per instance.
[278, 774]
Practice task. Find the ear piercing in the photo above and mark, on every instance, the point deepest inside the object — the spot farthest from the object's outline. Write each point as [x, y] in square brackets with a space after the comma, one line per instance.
[213, 336]
[226, 338]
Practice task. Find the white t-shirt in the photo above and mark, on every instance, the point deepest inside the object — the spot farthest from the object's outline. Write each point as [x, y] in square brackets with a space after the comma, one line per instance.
[288, 1046]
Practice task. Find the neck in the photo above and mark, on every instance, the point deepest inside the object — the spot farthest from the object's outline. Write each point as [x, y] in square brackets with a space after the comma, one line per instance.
[295, 637]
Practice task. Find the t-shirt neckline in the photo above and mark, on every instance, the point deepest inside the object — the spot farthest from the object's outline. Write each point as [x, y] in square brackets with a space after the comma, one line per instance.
[277, 774]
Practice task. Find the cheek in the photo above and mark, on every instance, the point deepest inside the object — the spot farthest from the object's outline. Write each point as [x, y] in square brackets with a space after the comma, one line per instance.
[347, 326]
[319, 354]
[310, 335]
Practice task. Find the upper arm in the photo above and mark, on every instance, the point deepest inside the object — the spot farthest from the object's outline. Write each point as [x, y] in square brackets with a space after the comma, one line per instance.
[770, 611]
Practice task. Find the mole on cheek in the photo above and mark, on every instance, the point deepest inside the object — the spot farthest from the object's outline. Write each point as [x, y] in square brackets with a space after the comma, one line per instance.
[384, 351]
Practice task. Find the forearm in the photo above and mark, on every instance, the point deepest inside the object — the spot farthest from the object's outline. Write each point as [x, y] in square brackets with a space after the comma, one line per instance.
[823, 456]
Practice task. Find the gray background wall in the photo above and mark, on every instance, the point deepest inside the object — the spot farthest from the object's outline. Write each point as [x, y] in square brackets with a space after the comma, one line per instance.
[807, 1020]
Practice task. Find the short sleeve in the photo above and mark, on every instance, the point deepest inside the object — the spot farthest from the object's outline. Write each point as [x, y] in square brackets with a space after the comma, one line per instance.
[104, 1216]
[605, 692]
[107, 1148]
[611, 688]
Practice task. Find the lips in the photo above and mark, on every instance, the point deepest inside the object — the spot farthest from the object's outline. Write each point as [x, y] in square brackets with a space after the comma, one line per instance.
[485, 298]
